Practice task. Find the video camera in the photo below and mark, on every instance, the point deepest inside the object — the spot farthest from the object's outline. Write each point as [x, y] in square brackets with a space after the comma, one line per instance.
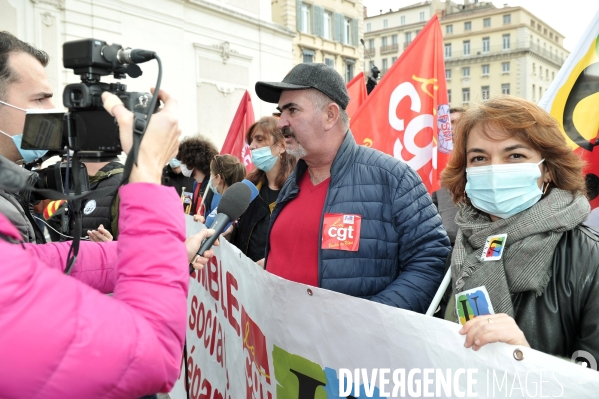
[87, 128]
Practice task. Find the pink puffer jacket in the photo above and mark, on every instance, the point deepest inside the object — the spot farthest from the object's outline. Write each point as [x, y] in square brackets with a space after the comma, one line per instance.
[60, 337]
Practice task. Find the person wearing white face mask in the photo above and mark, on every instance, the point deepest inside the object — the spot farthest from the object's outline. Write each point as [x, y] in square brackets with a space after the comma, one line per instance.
[272, 167]
[23, 86]
[195, 154]
[524, 270]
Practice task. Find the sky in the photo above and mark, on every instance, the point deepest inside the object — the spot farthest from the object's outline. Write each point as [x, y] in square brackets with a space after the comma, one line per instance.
[568, 17]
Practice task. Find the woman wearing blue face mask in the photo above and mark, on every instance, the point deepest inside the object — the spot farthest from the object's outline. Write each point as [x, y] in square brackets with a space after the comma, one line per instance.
[524, 270]
[272, 167]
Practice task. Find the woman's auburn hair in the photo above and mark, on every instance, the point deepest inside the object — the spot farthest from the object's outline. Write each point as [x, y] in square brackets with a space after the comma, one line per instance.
[268, 124]
[526, 122]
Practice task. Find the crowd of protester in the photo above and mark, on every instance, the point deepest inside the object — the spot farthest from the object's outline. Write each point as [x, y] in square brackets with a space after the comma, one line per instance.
[511, 175]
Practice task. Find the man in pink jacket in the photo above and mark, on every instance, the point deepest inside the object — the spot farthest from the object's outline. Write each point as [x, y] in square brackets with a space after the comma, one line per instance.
[60, 337]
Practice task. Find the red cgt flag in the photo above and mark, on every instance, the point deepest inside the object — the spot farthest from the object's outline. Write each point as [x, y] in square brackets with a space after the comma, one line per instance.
[235, 142]
[407, 116]
[357, 94]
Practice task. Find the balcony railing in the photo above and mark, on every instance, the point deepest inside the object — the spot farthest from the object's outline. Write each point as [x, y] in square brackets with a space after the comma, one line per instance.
[457, 53]
[390, 48]
[369, 52]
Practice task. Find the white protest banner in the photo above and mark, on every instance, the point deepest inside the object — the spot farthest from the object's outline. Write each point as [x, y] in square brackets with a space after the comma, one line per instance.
[255, 335]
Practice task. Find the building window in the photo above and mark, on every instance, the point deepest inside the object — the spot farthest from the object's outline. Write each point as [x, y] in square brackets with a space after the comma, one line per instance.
[385, 66]
[422, 15]
[448, 74]
[486, 69]
[552, 75]
[385, 23]
[305, 19]
[532, 23]
[540, 92]
[327, 25]
[541, 71]
[349, 70]
[507, 19]
[505, 88]
[447, 50]
[370, 65]
[368, 27]
[346, 31]
[485, 92]
[466, 47]
[384, 43]
[486, 22]
[308, 55]
[417, 32]
[466, 96]
[449, 29]
[394, 41]
[371, 47]
[534, 69]
[449, 96]
[393, 59]
[330, 62]
[468, 25]
[486, 44]
[505, 67]
[466, 72]
[506, 42]
[408, 37]
[534, 92]
[402, 20]
[546, 74]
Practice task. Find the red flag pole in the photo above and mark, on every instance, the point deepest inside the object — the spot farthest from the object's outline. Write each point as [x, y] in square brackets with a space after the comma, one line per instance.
[235, 141]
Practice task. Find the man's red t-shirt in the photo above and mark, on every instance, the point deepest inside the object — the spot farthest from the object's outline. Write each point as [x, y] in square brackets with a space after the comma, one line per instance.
[294, 241]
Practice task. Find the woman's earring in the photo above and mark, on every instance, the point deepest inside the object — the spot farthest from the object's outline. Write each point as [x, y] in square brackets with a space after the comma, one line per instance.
[546, 184]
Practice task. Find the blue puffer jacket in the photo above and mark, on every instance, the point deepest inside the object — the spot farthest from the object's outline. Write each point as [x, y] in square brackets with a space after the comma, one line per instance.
[403, 246]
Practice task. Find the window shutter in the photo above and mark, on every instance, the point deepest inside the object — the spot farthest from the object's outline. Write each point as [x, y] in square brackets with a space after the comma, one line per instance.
[318, 20]
[338, 28]
[300, 16]
[354, 31]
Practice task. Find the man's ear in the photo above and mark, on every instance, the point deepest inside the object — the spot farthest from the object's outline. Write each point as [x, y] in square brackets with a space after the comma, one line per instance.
[332, 115]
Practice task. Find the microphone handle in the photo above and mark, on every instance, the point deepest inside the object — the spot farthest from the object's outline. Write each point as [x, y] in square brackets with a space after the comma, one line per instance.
[219, 224]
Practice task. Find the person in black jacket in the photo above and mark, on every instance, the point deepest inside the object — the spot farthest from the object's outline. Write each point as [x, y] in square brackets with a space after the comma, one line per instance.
[272, 167]
[172, 176]
[524, 270]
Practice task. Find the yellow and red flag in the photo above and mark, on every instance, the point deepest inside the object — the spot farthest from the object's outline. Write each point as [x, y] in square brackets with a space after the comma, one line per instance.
[407, 116]
[357, 93]
[235, 141]
[573, 99]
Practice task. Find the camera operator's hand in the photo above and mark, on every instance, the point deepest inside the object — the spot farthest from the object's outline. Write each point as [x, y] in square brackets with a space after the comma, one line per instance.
[160, 142]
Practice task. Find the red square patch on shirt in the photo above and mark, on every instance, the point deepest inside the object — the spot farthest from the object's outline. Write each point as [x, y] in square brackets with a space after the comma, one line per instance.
[341, 232]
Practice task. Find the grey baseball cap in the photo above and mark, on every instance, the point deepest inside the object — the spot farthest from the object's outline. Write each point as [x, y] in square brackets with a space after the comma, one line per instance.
[309, 75]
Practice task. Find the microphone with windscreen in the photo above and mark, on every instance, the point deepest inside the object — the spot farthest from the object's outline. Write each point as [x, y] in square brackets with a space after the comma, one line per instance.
[232, 204]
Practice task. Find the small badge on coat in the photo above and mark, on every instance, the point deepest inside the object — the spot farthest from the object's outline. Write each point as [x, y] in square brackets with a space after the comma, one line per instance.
[341, 232]
[494, 247]
[90, 206]
[473, 303]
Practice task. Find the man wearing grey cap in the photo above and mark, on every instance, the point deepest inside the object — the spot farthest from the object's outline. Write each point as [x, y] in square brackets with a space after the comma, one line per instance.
[349, 219]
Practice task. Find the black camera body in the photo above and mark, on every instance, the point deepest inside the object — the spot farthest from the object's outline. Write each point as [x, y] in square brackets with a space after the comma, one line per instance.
[87, 128]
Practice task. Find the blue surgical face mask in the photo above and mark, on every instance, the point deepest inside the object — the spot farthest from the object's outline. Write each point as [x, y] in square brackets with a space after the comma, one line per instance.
[263, 158]
[211, 185]
[174, 163]
[28, 155]
[504, 190]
